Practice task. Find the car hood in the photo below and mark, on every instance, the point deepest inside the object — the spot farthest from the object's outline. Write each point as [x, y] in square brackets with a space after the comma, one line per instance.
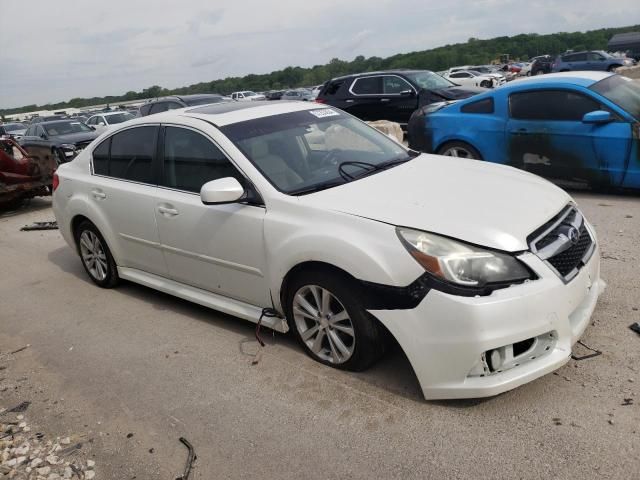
[76, 137]
[458, 93]
[481, 203]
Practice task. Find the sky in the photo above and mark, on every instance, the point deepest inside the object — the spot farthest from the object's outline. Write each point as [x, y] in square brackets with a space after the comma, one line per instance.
[55, 50]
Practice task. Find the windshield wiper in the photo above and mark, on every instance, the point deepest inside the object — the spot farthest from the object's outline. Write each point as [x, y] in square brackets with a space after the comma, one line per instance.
[374, 168]
[316, 188]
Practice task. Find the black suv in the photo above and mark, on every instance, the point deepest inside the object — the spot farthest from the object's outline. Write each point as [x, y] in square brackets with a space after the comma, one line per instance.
[541, 65]
[391, 95]
[180, 101]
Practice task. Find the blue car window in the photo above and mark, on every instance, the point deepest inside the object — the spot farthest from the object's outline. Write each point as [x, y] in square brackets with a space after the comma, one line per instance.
[559, 105]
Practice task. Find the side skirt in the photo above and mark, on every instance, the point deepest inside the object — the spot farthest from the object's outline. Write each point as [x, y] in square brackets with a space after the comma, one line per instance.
[203, 297]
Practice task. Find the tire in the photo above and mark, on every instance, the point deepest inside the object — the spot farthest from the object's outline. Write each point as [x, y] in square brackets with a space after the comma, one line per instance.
[91, 244]
[486, 84]
[539, 72]
[612, 68]
[59, 157]
[459, 150]
[359, 339]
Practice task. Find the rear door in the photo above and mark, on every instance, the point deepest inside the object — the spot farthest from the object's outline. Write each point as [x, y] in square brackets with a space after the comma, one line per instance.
[595, 61]
[365, 97]
[123, 191]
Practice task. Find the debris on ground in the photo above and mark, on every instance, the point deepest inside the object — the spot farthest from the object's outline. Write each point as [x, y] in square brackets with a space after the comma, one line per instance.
[594, 353]
[20, 349]
[40, 226]
[635, 327]
[191, 457]
[27, 455]
[627, 401]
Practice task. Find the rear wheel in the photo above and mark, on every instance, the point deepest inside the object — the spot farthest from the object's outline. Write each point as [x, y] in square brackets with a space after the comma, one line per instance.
[96, 256]
[330, 321]
[460, 150]
[612, 68]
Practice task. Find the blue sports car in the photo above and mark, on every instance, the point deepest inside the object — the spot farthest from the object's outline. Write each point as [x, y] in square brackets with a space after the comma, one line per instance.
[574, 127]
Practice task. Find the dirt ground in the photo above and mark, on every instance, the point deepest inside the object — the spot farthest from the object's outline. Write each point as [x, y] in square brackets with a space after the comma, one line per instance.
[124, 373]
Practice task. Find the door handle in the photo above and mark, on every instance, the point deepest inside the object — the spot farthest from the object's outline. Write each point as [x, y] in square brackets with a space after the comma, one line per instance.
[98, 194]
[170, 212]
[385, 99]
[348, 101]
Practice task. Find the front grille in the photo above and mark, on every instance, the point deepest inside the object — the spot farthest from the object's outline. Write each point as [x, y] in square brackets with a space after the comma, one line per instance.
[564, 243]
[567, 261]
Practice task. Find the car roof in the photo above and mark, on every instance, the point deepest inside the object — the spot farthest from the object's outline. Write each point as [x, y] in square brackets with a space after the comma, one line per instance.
[582, 79]
[221, 114]
[55, 122]
[380, 72]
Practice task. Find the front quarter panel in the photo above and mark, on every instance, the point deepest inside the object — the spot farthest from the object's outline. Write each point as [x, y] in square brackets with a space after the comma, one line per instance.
[366, 249]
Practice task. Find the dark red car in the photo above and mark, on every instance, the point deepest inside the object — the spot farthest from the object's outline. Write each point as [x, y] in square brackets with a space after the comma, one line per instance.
[23, 176]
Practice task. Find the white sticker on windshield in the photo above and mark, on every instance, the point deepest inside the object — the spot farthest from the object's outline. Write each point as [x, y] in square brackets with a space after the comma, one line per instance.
[324, 112]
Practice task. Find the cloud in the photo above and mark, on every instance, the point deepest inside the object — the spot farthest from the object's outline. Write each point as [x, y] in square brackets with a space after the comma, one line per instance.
[108, 48]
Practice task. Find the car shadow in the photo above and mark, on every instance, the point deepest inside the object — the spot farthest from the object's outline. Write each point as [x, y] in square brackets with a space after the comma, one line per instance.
[393, 373]
[32, 205]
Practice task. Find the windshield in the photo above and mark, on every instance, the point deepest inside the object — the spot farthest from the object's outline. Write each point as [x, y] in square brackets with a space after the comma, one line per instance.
[12, 127]
[118, 118]
[622, 91]
[429, 80]
[65, 128]
[302, 151]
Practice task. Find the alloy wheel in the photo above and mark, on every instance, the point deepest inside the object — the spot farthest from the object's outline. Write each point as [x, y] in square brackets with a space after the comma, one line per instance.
[460, 152]
[324, 324]
[93, 255]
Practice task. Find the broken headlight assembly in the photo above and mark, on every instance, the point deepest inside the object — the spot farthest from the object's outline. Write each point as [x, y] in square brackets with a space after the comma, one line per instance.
[69, 149]
[461, 264]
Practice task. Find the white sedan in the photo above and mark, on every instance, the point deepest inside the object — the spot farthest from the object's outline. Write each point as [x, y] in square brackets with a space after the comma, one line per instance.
[102, 121]
[345, 240]
[471, 78]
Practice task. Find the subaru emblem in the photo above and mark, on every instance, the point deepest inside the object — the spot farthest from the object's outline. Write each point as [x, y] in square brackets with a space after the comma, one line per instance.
[574, 235]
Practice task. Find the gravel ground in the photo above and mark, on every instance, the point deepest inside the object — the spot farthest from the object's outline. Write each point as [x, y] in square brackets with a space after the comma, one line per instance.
[124, 373]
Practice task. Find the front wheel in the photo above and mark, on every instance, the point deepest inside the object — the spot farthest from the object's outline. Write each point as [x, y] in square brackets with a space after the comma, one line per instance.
[460, 150]
[486, 84]
[96, 256]
[331, 323]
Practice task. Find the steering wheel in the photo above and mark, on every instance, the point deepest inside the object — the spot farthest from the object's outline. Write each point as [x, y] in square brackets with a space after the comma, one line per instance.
[331, 158]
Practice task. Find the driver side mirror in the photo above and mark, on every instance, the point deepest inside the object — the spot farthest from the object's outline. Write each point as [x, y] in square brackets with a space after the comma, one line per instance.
[221, 191]
[91, 127]
[597, 117]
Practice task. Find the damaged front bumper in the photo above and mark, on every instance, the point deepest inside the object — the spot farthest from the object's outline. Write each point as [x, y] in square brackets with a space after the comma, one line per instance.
[467, 347]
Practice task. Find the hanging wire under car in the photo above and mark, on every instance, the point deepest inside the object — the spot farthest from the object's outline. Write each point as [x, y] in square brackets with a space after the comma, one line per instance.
[269, 313]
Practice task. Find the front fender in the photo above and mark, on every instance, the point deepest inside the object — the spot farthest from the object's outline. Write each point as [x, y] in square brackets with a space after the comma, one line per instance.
[366, 249]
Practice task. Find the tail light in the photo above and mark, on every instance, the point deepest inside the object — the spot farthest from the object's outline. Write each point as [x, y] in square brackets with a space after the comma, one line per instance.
[320, 100]
[56, 181]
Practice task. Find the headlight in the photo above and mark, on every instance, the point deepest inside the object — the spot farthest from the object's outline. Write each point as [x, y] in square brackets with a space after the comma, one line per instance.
[460, 263]
[69, 149]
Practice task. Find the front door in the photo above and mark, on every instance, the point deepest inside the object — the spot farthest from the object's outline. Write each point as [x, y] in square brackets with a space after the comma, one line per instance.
[546, 136]
[219, 248]
[399, 100]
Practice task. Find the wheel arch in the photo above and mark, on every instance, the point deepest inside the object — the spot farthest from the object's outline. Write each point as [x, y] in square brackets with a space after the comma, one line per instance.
[464, 140]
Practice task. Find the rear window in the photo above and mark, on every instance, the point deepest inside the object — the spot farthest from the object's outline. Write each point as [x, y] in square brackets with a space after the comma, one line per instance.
[481, 106]
[367, 86]
[127, 155]
[333, 87]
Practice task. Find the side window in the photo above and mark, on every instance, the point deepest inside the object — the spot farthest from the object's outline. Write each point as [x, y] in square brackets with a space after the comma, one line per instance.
[481, 106]
[159, 107]
[595, 57]
[173, 105]
[551, 105]
[333, 87]
[191, 160]
[367, 86]
[456, 75]
[131, 155]
[40, 131]
[568, 58]
[394, 85]
[101, 158]
[101, 121]
[91, 121]
[29, 132]
[580, 57]
[144, 110]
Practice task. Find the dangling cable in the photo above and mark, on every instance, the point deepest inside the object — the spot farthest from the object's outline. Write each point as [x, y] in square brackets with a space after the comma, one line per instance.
[269, 313]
